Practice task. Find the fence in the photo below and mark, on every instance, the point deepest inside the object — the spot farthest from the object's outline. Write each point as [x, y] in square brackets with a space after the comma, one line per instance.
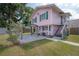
[25, 30]
[74, 31]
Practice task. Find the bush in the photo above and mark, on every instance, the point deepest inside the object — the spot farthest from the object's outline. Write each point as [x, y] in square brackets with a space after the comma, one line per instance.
[12, 38]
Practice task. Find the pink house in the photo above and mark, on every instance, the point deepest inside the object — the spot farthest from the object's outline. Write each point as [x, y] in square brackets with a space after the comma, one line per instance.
[49, 20]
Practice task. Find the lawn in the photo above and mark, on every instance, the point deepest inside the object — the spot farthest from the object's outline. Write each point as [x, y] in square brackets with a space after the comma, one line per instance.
[73, 38]
[26, 33]
[41, 47]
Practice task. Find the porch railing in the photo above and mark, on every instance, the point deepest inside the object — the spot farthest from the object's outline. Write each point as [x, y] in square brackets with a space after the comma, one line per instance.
[64, 30]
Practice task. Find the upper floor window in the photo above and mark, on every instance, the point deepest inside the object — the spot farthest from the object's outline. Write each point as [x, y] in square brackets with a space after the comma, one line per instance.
[44, 16]
[47, 15]
[34, 20]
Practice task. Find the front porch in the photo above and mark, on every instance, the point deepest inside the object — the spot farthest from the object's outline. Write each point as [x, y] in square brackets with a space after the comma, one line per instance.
[48, 30]
[44, 30]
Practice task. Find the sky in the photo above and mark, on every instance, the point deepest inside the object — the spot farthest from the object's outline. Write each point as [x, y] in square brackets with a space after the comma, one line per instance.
[72, 8]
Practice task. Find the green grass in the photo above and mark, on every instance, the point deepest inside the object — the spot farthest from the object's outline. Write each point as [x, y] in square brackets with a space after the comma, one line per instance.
[41, 47]
[48, 47]
[73, 38]
[4, 41]
[26, 33]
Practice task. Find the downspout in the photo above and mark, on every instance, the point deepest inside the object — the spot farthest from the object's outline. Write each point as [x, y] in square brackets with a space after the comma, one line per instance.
[61, 20]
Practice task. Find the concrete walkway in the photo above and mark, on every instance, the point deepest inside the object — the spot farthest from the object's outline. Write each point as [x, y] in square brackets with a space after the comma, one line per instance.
[30, 38]
[67, 42]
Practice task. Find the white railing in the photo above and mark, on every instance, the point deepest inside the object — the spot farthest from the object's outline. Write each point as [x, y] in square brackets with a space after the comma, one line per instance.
[64, 26]
[63, 29]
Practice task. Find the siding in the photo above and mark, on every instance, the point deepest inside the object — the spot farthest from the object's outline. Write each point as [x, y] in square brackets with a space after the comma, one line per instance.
[43, 22]
[56, 19]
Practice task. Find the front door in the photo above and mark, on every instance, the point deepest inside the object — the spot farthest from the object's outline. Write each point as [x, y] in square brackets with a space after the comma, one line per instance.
[34, 30]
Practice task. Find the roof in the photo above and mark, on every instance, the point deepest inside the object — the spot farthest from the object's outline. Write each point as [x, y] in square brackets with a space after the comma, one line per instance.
[66, 14]
[50, 5]
[53, 6]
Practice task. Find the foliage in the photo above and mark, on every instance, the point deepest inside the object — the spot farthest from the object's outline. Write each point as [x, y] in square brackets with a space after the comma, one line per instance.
[15, 12]
[11, 13]
[26, 19]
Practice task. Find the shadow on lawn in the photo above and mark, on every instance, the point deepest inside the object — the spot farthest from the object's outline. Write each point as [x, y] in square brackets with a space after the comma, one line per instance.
[4, 47]
[34, 44]
[26, 46]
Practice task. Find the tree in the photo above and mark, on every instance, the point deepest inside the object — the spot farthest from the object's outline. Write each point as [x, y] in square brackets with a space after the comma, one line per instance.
[14, 12]
[26, 19]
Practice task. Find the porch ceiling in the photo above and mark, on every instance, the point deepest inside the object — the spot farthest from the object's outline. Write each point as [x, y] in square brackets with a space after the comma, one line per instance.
[34, 25]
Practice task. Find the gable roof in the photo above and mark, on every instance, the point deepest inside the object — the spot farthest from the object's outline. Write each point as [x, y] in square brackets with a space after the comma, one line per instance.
[53, 6]
[50, 6]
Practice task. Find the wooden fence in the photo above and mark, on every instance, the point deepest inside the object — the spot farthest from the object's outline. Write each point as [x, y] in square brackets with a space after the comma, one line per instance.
[74, 31]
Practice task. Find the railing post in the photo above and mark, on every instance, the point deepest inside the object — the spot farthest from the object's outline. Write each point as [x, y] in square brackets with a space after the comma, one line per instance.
[62, 35]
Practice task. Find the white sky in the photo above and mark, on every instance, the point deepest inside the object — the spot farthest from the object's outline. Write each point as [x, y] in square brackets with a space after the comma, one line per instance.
[71, 6]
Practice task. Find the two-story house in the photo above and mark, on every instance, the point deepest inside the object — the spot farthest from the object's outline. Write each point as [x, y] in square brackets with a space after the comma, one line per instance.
[49, 20]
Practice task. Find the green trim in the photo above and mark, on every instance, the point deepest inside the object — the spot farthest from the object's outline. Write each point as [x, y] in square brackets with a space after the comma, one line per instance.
[47, 15]
[44, 16]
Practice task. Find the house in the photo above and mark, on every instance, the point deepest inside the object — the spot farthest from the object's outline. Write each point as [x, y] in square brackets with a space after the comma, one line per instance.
[49, 20]
[74, 26]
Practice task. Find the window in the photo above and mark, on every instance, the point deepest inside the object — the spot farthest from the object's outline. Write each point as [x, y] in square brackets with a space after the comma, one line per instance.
[44, 16]
[47, 15]
[35, 20]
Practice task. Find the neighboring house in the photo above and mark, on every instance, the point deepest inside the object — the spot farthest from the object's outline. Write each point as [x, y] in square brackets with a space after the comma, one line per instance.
[74, 26]
[49, 20]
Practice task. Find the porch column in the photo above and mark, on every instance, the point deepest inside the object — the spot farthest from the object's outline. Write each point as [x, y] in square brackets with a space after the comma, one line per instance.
[37, 29]
[69, 27]
[41, 29]
[62, 36]
[31, 30]
[48, 29]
